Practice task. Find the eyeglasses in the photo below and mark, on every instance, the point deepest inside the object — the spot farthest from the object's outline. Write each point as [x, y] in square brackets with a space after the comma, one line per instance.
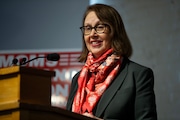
[86, 30]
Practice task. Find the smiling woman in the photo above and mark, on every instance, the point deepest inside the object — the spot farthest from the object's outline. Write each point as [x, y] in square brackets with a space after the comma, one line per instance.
[96, 42]
[109, 85]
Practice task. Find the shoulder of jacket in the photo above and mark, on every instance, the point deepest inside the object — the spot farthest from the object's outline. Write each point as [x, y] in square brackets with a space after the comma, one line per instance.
[134, 66]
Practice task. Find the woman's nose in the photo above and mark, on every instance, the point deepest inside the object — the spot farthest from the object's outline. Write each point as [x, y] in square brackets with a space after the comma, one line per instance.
[93, 32]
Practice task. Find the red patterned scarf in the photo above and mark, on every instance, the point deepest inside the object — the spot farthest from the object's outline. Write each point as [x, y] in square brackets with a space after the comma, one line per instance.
[94, 79]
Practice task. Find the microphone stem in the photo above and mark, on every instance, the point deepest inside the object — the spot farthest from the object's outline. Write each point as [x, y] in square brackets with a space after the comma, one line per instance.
[31, 60]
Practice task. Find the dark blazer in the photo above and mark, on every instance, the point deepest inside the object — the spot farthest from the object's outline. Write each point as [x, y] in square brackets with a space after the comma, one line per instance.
[129, 97]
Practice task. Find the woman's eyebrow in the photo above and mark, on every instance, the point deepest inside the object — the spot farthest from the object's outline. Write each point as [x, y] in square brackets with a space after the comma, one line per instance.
[98, 23]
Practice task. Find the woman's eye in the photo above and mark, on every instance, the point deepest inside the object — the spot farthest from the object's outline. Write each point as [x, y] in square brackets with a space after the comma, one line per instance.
[88, 28]
[100, 27]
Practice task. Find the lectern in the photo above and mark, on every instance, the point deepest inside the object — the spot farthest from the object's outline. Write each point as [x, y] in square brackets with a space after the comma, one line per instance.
[25, 94]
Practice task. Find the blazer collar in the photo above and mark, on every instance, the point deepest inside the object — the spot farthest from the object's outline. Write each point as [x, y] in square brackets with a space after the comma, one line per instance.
[111, 91]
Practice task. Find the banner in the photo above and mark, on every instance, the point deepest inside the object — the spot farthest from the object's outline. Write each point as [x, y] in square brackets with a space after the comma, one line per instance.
[65, 69]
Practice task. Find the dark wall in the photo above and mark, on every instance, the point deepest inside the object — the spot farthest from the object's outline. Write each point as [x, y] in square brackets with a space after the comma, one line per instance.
[41, 24]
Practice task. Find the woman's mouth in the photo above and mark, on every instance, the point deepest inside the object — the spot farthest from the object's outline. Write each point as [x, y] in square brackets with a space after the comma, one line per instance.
[96, 43]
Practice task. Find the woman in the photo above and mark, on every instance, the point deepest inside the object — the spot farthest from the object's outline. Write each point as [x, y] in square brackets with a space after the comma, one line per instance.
[110, 86]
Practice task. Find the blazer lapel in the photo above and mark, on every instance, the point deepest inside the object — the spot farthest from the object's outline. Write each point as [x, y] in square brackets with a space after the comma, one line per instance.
[110, 92]
[74, 85]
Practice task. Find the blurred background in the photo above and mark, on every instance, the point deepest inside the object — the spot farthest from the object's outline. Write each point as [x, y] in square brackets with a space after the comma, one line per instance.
[153, 27]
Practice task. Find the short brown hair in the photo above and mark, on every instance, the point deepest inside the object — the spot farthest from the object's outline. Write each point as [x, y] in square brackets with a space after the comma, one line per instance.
[120, 41]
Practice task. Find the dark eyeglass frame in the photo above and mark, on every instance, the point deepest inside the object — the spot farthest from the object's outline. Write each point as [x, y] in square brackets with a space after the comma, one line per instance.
[95, 28]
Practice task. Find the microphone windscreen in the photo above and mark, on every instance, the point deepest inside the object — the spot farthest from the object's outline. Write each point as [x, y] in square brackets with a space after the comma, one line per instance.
[53, 57]
[15, 60]
[23, 60]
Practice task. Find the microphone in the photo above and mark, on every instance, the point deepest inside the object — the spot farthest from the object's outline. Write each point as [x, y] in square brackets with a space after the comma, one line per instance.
[14, 61]
[53, 57]
[22, 61]
[49, 57]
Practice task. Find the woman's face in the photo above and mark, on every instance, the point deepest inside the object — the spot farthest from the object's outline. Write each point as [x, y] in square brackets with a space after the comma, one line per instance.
[97, 43]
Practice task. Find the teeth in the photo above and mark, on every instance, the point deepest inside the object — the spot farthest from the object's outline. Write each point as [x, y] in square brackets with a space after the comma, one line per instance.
[94, 43]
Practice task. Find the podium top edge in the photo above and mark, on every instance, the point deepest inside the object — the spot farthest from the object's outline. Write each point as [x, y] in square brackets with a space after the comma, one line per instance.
[9, 70]
[19, 69]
